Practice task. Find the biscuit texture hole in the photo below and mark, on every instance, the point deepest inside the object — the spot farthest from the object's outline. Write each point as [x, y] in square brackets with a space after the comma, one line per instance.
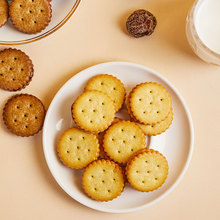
[109, 190]
[161, 100]
[132, 149]
[30, 11]
[114, 88]
[152, 126]
[119, 151]
[15, 120]
[114, 179]
[91, 121]
[90, 100]
[88, 150]
[26, 126]
[68, 152]
[103, 181]
[92, 176]
[102, 83]
[78, 158]
[35, 117]
[148, 171]
[10, 68]
[82, 110]
[158, 112]
[83, 138]
[151, 103]
[2, 61]
[144, 112]
[35, 22]
[17, 106]
[103, 103]
[146, 161]
[95, 189]
[137, 171]
[22, 69]
[140, 100]
[41, 10]
[13, 79]
[78, 147]
[70, 139]
[103, 170]
[113, 139]
[30, 105]
[25, 115]
[155, 178]
[103, 116]
[22, 19]
[151, 91]
[20, 6]
[134, 136]
[94, 110]
[15, 58]
[143, 181]
[124, 141]
[158, 165]
[122, 130]
[1, 74]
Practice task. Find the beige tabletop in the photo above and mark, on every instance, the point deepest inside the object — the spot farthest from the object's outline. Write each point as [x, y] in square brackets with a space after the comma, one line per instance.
[96, 33]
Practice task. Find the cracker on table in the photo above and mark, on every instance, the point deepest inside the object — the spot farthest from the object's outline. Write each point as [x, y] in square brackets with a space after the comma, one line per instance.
[24, 115]
[110, 85]
[93, 111]
[150, 103]
[30, 16]
[147, 170]
[77, 148]
[16, 69]
[3, 12]
[122, 140]
[103, 180]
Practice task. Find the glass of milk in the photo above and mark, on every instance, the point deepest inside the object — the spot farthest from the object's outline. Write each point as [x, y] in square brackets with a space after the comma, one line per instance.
[203, 30]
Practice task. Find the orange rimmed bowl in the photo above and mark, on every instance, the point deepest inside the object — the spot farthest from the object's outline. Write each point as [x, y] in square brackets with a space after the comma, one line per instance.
[62, 10]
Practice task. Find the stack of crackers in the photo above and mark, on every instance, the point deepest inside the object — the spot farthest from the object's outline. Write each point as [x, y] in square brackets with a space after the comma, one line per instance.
[113, 150]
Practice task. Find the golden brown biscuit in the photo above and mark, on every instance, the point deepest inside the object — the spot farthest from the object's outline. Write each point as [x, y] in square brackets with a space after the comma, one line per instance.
[24, 115]
[122, 140]
[110, 85]
[103, 180]
[3, 12]
[150, 103]
[147, 170]
[160, 127]
[30, 16]
[16, 69]
[93, 111]
[77, 148]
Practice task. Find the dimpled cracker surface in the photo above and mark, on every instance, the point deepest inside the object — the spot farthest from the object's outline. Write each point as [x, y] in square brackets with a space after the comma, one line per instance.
[158, 128]
[16, 69]
[93, 111]
[150, 103]
[122, 140]
[24, 115]
[3, 12]
[77, 148]
[30, 16]
[110, 85]
[103, 180]
[147, 170]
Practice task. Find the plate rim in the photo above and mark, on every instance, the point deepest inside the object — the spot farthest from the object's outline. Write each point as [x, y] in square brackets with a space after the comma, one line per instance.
[191, 144]
[49, 32]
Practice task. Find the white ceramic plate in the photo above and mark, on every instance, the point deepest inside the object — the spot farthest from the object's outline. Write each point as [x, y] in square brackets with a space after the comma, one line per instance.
[62, 10]
[176, 143]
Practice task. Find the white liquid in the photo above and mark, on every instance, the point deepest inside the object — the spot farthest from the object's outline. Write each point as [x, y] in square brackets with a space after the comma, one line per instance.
[207, 22]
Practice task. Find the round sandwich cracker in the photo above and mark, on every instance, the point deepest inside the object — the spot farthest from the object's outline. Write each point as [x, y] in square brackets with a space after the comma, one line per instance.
[30, 16]
[16, 69]
[93, 111]
[110, 85]
[3, 12]
[103, 180]
[150, 103]
[77, 148]
[24, 115]
[122, 140]
[147, 170]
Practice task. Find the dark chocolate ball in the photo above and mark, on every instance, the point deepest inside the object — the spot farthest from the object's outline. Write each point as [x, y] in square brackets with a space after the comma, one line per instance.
[141, 23]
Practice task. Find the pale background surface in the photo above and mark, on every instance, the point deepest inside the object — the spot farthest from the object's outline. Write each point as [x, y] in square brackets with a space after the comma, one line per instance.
[96, 34]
